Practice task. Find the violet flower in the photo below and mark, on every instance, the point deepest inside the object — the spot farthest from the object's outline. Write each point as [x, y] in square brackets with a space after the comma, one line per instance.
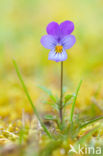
[59, 39]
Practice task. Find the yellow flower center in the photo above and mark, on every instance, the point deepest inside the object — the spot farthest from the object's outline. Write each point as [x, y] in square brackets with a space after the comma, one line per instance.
[59, 49]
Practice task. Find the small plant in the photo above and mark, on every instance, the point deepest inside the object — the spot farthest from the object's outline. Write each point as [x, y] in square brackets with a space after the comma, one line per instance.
[59, 39]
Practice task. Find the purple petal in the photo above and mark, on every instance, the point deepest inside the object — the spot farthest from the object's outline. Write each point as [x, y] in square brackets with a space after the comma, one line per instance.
[68, 41]
[53, 29]
[48, 41]
[57, 56]
[66, 28]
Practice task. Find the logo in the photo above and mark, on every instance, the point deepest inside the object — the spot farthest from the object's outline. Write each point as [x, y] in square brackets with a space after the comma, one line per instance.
[85, 150]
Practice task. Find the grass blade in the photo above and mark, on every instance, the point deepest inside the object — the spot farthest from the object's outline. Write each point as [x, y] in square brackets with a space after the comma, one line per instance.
[74, 101]
[30, 100]
[91, 121]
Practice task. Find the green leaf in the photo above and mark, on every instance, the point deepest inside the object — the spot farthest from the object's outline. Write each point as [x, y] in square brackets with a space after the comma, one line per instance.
[55, 106]
[49, 117]
[74, 101]
[91, 121]
[48, 92]
[67, 98]
[47, 102]
[30, 100]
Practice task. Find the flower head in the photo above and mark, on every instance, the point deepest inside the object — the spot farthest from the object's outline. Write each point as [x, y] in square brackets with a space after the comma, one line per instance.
[58, 39]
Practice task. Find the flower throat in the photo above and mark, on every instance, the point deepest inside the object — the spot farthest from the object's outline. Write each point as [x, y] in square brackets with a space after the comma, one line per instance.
[59, 49]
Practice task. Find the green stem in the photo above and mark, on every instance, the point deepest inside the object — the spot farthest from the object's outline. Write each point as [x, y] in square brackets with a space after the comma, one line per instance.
[74, 101]
[30, 100]
[61, 94]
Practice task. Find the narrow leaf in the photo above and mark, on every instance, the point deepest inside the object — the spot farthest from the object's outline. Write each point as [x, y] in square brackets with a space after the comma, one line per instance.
[49, 117]
[55, 106]
[91, 121]
[68, 97]
[74, 101]
[30, 100]
[48, 92]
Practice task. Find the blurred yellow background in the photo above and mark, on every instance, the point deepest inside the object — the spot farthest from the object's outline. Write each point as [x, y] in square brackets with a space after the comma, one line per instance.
[22, 24]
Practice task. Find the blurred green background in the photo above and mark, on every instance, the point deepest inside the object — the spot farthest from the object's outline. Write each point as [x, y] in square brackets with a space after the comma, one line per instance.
[22, 24]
